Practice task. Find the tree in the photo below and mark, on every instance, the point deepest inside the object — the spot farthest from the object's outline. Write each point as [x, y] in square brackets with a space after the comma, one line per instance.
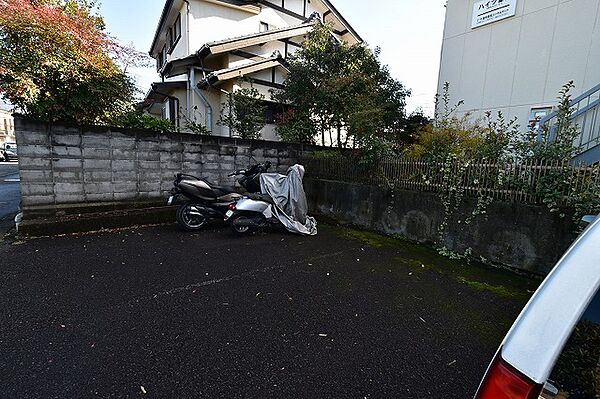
[244, 113]
[335, 88]
[293, 126]
[413, 124]
[55, 62]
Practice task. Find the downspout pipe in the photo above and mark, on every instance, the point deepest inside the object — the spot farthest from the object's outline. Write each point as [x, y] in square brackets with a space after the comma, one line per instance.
[187, 51]
[187, 27]
[198, 92]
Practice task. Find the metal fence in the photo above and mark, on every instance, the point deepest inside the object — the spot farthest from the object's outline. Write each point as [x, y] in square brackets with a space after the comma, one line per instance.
[527, 182]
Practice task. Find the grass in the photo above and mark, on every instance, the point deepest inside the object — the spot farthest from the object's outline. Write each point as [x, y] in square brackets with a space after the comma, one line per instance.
[421, 258]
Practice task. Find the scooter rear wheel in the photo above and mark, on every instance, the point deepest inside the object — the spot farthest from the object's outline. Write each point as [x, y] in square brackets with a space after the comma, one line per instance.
[241, 230]
[188, 221]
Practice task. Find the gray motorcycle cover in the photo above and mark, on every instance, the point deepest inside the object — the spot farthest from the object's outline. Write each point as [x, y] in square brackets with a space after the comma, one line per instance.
[289, 197]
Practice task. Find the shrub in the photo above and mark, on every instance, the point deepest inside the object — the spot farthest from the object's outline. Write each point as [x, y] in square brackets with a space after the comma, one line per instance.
[244, 113]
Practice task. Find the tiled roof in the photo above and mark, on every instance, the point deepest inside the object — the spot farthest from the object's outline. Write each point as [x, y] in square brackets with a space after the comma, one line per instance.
[253, 39]
[242, 70]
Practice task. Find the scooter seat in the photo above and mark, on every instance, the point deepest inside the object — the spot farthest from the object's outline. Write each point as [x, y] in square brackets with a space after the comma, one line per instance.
[225, 189]
[261, 197]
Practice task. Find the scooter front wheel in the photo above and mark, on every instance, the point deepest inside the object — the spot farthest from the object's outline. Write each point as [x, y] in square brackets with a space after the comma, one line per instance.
[189, 219]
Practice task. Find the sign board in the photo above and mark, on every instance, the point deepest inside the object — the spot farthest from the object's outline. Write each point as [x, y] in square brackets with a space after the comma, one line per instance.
[488, 11]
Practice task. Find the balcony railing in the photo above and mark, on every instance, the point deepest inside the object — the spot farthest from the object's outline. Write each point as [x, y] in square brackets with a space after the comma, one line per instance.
[585, 113]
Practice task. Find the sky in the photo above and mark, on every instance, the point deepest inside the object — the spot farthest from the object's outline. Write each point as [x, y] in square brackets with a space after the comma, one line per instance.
[408, 32]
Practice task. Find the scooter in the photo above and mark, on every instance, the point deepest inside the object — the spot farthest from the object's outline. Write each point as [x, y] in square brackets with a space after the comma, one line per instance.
[252, 212]
[208, 201]
[282, 201]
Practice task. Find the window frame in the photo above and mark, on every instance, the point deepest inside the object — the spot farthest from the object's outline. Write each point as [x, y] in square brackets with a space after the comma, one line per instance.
[174, 34]
[534, 121]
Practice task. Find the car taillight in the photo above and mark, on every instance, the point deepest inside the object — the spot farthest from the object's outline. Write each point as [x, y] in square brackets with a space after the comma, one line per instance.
[505, 382]
[231, 207]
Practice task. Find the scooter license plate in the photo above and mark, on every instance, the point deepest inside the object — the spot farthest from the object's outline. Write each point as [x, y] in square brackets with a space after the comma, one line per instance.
[170, 201]
[229, 214]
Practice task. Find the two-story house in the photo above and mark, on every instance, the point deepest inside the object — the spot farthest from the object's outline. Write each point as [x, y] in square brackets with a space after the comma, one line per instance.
[7, 126]
[206, 49]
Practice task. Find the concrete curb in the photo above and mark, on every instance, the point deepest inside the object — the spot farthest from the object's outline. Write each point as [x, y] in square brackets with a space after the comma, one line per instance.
[88, 222]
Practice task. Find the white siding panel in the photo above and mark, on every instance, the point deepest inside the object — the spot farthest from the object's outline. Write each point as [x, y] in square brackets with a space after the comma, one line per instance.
[592, 75]
[536, 5]
[452, 55]
[571, 47]
[296, 6]
[501, 64]
[535, 44]
[458, 17]
[474, 64]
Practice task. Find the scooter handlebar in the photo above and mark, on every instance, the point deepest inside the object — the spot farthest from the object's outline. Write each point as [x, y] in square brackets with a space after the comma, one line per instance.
[237, 173]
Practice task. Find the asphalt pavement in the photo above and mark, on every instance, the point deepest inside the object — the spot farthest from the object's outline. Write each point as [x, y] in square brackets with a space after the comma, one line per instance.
[10, 194]
[159, 313]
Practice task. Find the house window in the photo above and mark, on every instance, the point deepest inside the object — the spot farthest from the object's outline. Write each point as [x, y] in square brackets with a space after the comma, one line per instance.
[273, 111]
[159, 61]
[174, 34]
[264, 27]
[537, 114]
[170, 39]
[177, 29]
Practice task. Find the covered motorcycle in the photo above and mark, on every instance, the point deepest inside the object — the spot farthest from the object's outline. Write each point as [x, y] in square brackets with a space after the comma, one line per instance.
[282, 201]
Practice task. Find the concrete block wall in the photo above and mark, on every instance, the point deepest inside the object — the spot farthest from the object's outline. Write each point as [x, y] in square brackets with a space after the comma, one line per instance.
[520, 236]
[69, 167]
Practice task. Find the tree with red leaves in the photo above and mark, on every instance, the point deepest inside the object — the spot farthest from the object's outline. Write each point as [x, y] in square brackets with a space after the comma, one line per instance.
[56, 64]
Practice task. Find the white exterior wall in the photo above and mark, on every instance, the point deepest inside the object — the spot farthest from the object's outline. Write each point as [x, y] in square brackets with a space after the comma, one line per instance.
[520, 63]
[7, 127]
[211, 20]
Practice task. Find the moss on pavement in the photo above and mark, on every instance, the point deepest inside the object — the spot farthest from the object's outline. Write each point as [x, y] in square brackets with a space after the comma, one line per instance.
[421, 258]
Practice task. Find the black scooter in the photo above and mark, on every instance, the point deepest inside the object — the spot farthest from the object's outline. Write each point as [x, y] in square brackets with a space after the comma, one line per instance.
[210, 201]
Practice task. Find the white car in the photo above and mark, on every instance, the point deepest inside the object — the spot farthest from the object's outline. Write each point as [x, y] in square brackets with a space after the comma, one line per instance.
[553, 348]
[8, 151]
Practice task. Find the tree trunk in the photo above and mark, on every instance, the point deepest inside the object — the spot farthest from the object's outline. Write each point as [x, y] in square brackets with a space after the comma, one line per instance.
[347, 140]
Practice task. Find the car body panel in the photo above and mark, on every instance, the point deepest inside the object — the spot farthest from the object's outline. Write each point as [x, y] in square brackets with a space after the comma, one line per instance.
[536, 339]
[9, 149]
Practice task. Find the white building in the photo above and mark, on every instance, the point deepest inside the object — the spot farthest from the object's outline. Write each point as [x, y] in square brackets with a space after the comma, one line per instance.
[204, 47]
[514, 55]
[7, 125]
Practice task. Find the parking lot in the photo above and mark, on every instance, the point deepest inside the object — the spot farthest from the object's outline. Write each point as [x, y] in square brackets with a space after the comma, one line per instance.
[154, 312]
[10, 194]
